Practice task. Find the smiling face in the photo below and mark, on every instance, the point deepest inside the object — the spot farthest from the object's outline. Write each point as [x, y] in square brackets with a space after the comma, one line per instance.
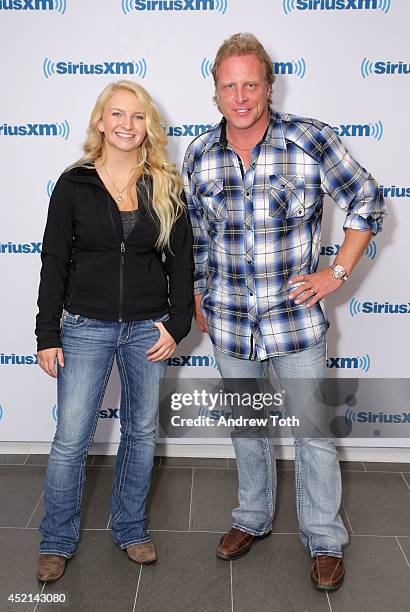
[242, 93]
[123, 122]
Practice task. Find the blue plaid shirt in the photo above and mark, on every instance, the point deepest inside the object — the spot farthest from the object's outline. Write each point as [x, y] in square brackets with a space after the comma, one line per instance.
[255, 229]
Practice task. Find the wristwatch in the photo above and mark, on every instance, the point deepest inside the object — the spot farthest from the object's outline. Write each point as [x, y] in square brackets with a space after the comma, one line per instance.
[339, 272]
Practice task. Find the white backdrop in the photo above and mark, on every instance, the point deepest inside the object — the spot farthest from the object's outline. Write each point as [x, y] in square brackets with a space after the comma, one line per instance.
[341, 61]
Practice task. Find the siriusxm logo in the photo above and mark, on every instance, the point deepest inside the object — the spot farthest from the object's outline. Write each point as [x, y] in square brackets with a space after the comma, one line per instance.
[205, 361]
[59, 6]
[335, 5]
[14, 248]
[292, 67]
[343, 363]
[68, 68]
[104, 413]
[356, 308]
[333, 249]
[217, 6]
[368, 68]
[361, 130]
[188, 129]
[14, 359]
[37, 129]
[376, 417]
[50, 188]
[395, 192]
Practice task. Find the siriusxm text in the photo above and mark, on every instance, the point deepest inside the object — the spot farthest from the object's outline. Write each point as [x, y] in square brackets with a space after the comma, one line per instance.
[26, 5]
[20, 248]
[336, 5]
[102, 68]
[381, 417]
[385, 308]
[174, 5]
[29, 129]
[188, 129]
[14, 359]
[395, 192]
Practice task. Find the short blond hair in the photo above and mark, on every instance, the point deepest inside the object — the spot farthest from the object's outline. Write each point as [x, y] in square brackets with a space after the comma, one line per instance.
[244, 43]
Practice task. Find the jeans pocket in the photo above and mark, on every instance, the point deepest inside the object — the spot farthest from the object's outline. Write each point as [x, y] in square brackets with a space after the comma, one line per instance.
[74, 320]
[160, 319]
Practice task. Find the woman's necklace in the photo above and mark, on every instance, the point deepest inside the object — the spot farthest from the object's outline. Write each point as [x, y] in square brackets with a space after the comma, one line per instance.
[119, 197]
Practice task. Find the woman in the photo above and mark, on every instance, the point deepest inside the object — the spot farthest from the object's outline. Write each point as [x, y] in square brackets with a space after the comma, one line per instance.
[117, 256]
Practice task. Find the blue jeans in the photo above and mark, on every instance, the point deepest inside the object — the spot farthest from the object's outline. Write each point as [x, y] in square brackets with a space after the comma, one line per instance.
[90, 347]
[317, 470]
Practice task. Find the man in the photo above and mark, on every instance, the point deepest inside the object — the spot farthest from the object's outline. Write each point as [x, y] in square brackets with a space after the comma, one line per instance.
[255, 185]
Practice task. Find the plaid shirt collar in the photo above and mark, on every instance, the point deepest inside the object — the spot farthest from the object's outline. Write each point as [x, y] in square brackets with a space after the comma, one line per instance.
[274, 135]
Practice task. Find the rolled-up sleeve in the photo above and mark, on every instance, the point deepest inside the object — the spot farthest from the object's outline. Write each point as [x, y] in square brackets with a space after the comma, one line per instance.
[350, 185]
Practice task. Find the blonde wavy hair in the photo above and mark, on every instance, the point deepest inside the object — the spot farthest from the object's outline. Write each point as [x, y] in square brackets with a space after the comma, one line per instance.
[153, 159]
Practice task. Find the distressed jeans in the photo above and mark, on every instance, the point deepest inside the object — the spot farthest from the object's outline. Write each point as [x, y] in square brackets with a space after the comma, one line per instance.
[90, 347]
[317, 470]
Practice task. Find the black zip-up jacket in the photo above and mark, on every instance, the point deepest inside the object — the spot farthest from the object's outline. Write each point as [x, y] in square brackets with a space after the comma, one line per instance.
[90, 269]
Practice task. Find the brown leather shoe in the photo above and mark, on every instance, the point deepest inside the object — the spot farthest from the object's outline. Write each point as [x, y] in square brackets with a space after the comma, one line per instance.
[50, 567]
[327, 573]
[142, 553]
[234, 544]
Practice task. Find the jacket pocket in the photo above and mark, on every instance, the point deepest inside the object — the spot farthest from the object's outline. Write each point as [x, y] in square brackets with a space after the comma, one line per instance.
[287, 196]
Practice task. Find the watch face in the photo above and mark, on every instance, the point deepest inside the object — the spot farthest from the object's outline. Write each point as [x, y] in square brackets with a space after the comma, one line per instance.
[339, 271]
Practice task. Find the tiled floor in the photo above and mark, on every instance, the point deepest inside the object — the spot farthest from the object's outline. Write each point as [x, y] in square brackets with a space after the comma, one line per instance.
[190, 506]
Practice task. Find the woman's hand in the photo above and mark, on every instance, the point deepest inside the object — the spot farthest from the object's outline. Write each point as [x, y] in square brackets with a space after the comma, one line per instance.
[199, 314]
[47, 360]
[164, 347]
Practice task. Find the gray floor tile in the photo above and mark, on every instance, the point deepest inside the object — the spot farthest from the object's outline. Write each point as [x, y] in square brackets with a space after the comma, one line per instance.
[13, 459]
[187, 577]
[17, 566]
[405, 545]
[387, 467]
[281, 464]
[377, 504]
[111, 459]
[193, 462]
[356, 466]
[99, 578]
[96, 499]
[285, 519]
[275, 577]
[21, 487]
[104, 460]
[43, 460]
[169, 498]
[377, 577]
[214, 494]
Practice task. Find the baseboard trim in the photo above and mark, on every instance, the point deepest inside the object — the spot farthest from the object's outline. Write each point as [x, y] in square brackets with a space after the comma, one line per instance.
[346, 453]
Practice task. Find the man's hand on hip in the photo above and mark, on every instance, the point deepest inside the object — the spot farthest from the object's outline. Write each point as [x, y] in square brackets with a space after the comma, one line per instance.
[314, 287]
[199, 314]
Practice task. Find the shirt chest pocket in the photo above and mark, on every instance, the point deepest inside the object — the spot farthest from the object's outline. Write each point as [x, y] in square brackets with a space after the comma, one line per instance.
[213, 199]
[287, 196]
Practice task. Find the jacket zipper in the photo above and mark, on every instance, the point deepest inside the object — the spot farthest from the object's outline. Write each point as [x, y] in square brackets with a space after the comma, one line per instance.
[121, 297]
[122, 262]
